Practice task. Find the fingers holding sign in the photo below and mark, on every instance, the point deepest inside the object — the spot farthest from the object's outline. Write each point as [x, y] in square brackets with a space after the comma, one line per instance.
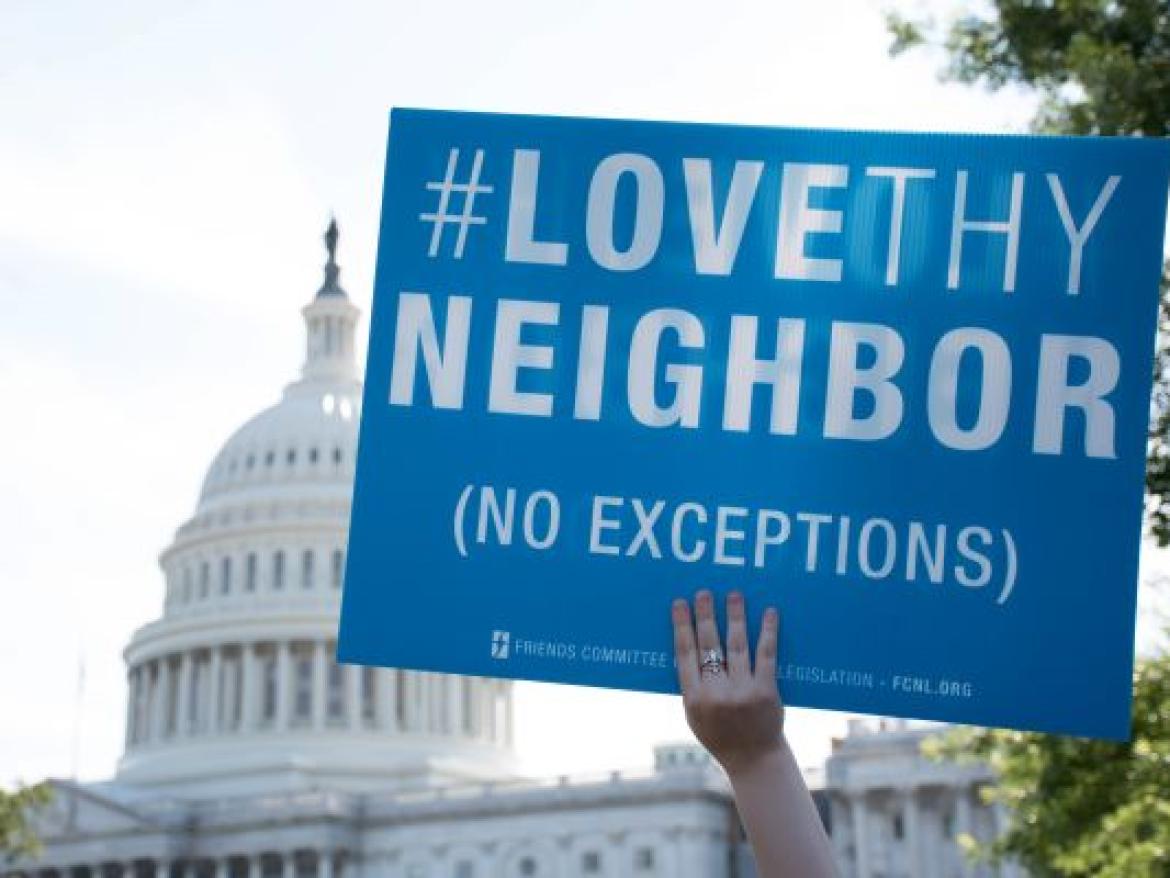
[686, 652]
[733, 709]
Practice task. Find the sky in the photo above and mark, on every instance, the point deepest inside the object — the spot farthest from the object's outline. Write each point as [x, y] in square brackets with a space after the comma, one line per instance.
[166, 171]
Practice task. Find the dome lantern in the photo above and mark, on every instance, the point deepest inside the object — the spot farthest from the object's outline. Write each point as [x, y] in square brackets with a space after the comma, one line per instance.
[330, 321]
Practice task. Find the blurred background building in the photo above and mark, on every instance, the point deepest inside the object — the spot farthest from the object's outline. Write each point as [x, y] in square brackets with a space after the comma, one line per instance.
[250, 753]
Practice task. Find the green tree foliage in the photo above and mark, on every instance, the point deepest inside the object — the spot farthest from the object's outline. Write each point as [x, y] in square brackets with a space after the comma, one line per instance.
[1100, 67]
[16, 835]
[1081, 807]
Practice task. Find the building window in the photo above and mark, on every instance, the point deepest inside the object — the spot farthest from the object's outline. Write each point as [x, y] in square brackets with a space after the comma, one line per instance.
[250, 572]
[268, 677]
[269, 458]
[278, 569]
[291, 457]
[465, 869]
[899, 830]
[307, 568]
[591, 862]
[335, 700]
[527, 866]
[369, 698]
[337, 456]
[337, 568]
[186, 584]
[644, 859]
[313, 455]
[303, 682]
[250, 462]
[204, 578]
[225, 575]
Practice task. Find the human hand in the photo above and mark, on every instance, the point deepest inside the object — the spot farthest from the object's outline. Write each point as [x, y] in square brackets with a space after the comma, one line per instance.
[733, 709]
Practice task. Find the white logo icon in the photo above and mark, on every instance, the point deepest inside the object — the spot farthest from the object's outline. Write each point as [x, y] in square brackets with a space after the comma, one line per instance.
[501, 641]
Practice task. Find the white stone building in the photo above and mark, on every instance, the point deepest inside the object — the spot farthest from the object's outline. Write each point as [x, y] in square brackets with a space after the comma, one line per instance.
[251, 754]
[894, 813]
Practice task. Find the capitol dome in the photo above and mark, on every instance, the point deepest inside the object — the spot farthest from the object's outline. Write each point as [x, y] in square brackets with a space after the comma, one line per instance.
[307, 439]
[235, 689]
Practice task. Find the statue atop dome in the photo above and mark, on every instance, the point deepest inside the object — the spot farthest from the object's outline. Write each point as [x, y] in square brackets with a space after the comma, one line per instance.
[331, 286]
[330, 319]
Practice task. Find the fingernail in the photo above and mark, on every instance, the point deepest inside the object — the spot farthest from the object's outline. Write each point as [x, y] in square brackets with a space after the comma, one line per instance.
[771, 615]
[735, 596]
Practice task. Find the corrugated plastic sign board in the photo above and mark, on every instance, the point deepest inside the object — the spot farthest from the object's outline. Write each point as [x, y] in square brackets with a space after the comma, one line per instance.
[894, 384]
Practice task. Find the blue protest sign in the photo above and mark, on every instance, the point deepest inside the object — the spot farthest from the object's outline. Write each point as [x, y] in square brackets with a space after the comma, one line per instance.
[894, 384]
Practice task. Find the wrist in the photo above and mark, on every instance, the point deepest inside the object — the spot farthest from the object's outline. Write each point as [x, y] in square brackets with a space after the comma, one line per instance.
[742, 764]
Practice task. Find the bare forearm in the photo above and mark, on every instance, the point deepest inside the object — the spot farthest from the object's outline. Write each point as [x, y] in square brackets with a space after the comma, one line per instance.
[734, 709]
[781, 820]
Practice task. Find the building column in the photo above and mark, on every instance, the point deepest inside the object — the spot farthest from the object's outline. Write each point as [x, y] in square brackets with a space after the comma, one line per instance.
[439, 703]
[491, 732]
[320, 669]
[255, 869]
[484, 703]
[162, 868]
[468, 708]
[428, 722]
[140, 716]
[426, 708]
[841, 814]
[353, 696]
[214, 708]
[182, 714]
[289, 864]
[131, 705]
[963, 821]
[162, 681]
[325, 864]
[861, 834]
[387, 702]
[284, 688]
[416, 705]
[249, 695]
[1009, 868]
[911, 832]
[930, 820]
[509, 716]
[455, 703]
